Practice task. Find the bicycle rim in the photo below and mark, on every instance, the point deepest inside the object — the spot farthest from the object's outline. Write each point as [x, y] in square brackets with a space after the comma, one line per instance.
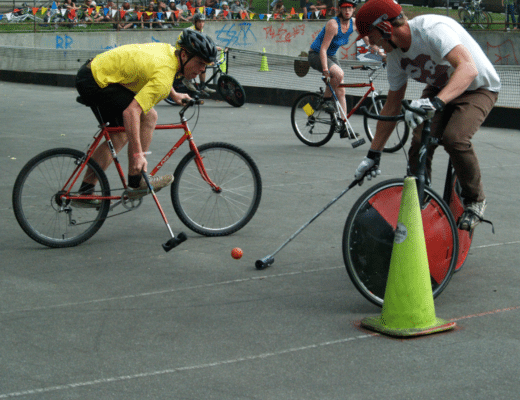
[38, 207]
[231, 91]
[212, 213]
[399, 135]
[312, 126]
[369, 234]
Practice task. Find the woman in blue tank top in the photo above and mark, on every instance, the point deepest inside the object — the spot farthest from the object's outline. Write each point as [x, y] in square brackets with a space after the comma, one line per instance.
[322, 55]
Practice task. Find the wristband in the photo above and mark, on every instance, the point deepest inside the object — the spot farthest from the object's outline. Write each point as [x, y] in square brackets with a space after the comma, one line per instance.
[438, 103]
[374, 155]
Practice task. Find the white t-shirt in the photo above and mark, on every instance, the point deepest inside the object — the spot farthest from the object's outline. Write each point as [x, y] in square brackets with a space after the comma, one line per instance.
[433, 37]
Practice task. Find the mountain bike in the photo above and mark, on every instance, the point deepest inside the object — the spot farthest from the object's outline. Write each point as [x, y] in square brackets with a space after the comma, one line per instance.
[315, 120]
[216, 190]
[369, 231]
[472, 14]
[227, 86]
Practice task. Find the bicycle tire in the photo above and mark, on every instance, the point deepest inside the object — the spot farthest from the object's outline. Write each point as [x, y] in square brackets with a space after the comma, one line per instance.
[211, 213]
[231, 90]
[400, 134]
[38, 208]
[482, 19]
[312, 126]
[369, 234]
[465, 18]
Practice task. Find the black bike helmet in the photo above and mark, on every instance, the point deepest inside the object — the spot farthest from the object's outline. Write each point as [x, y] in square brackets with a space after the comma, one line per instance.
[198, 44]
[198, 17]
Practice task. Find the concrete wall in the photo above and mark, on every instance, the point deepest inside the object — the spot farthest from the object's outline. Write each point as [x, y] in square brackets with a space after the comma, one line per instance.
[285, 38]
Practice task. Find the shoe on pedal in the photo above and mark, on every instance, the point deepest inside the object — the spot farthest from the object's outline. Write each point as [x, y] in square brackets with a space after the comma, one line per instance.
[208, 90]
[157, 183]
[85, 203]
[472, 216]
[189, 85]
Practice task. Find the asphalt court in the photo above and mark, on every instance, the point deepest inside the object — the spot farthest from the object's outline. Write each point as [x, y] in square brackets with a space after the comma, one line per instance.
[118, 318]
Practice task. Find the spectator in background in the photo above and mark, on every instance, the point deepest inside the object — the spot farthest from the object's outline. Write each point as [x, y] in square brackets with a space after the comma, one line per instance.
[133, 19]
[172, 7]
[510, 10]
[279, 10]
[184, 12]
[237, 10]
[225, 13]
[149, 16]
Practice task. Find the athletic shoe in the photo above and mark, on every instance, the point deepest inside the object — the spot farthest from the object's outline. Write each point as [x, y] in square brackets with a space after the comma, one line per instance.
[189, 85]
[327, 105]
[472, 216]
[157, 182]
[85, 203]
[208, 90]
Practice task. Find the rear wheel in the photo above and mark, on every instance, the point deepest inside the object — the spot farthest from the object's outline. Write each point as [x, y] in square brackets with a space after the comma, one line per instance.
[40, 209]
[311, 124]
[231, 91]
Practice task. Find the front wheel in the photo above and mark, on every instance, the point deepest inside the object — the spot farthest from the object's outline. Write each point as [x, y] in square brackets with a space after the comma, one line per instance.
[39, 206]
[221, 211]
[482, 20]
[465, 18]
[231, 91]
[311, 123]
[368, 239]
[400, 133]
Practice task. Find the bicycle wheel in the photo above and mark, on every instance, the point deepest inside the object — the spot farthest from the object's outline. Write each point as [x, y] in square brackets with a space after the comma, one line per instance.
[465, 18]
[231, 91]
[369, 235]
[210, 212]
[482, 19]
[400, 134]
[38, 207]
[312, 126]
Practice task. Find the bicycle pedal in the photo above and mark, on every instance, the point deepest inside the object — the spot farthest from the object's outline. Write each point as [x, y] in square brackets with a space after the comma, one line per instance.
[358, 143]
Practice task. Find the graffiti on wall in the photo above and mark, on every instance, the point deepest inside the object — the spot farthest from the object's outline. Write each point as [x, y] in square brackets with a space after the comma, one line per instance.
[63, 42]
[502, 54]
[282, 35]
[236, 35]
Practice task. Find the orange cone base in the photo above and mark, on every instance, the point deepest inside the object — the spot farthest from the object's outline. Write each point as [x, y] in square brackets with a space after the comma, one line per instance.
[377, 324]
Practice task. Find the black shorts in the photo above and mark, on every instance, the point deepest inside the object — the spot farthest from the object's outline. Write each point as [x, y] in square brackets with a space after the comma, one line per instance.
[111, 101]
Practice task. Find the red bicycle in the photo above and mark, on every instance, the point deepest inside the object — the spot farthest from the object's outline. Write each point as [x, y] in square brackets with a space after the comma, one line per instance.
[315, 120]
[216, 191]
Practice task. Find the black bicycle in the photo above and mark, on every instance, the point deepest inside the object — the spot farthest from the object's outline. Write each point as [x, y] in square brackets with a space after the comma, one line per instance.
[227, 86]
[369, 231]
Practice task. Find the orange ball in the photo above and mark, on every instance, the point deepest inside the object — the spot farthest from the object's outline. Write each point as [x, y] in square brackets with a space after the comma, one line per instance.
[237, 253]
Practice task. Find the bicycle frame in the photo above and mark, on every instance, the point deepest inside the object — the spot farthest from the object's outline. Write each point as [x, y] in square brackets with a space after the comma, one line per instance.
[104, 133]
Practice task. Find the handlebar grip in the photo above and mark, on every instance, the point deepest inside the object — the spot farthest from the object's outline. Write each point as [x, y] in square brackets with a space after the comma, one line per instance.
[391, 118]
[416, 110]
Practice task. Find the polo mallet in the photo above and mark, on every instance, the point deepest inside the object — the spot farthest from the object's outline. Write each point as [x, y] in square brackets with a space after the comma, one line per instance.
[265, 262]
[357, 143]
[174, 241]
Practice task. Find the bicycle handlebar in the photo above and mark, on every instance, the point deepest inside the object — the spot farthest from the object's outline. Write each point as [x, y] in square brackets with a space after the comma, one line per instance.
[394, 118]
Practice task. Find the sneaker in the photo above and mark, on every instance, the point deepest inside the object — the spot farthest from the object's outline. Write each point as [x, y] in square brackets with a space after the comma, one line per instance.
[472, 216]
[157, 182]
[85, 203]
[209, 90]
[327, 105]
[189, 85]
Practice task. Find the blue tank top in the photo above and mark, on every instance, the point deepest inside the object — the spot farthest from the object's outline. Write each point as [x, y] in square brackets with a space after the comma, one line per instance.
[340, 39]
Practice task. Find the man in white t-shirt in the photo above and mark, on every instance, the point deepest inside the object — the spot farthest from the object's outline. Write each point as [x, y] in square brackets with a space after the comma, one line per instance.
[462, 88]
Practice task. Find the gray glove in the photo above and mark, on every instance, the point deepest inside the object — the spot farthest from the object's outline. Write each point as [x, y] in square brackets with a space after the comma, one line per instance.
[369, 167]
[414, 120]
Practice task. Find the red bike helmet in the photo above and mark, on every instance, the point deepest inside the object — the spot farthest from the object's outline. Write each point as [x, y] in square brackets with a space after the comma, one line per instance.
[377, 14]
[347, 3]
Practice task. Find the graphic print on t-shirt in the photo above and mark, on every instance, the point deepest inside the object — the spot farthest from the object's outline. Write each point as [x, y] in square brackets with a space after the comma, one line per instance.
[424, 69]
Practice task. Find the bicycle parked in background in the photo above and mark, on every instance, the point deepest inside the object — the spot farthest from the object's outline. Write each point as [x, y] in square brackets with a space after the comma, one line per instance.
[315, 120]
[472, 14]
[227, 86]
